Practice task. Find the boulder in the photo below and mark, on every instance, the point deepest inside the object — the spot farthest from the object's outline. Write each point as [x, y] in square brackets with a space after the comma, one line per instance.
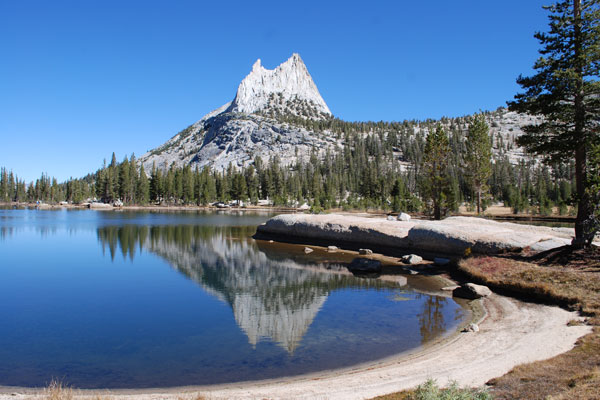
[441, 261]
[471, 291]
[412, 259]
[365, 251]
[331, 249]
[364, 266]
[403, 217]
[308, 250]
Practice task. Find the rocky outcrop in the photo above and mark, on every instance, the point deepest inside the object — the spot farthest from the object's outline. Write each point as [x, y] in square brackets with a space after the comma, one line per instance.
[272, 89]
[453, 235]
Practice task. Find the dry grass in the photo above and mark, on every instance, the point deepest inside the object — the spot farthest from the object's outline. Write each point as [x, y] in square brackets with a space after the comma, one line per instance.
[572, 375]
[58, 391]
[569, 287]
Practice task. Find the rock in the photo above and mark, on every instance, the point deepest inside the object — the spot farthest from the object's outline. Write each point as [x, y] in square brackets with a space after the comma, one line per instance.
[450, 288]
[471, 291]
[441, 261]
[308, 250]
[471, 328]
[412, 259]
[364, 266]
[365, 251]
[411, 271]
[271, 241]
[332, 249]
[453, 235]
[403, 217]
[391, 218]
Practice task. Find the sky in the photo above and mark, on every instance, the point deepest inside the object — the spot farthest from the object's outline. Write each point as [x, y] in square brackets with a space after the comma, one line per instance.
[82, 79]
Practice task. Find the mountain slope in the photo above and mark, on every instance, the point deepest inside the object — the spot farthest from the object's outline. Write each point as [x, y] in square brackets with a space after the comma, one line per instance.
[248, 127]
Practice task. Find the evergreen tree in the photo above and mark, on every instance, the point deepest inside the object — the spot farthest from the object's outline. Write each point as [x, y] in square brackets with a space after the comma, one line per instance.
[143, 187]
[478, 158]
[566, 92]
[436, 188]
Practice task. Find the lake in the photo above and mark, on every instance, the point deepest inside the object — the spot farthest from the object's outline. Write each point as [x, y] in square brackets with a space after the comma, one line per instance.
[105, 299]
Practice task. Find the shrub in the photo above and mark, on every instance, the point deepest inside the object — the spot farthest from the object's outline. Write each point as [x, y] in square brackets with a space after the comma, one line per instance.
[430, 391]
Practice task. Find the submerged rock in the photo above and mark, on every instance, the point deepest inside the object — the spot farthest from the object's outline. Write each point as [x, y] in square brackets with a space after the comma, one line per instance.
[441, 261]
[365, 266]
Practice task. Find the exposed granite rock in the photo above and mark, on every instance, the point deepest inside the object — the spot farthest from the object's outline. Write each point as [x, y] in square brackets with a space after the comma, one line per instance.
[453, 235]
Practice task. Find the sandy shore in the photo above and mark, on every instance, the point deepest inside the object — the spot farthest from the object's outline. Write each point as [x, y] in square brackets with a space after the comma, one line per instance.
[511, 333]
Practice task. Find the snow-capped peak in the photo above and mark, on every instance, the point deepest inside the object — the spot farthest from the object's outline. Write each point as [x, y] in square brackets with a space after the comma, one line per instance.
[289, 83]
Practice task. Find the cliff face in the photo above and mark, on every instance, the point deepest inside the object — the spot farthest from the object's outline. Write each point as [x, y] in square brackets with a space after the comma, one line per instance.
[289, 83]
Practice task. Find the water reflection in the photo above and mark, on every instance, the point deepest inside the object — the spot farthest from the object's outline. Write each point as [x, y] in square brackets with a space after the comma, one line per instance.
[270, 297]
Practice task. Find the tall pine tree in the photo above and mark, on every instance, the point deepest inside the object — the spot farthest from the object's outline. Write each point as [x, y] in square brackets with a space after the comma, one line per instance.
[566, 92]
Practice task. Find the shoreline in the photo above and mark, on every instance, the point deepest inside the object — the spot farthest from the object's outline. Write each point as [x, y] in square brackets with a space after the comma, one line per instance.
[511, 333]
[496, 213]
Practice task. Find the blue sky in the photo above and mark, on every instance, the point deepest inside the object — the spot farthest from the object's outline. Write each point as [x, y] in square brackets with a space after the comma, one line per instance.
[81, 79]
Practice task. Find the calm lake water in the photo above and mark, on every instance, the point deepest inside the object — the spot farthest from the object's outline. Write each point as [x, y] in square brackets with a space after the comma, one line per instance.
[102, 299]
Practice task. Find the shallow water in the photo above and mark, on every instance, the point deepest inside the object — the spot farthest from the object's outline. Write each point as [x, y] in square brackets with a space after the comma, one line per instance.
[104, 299]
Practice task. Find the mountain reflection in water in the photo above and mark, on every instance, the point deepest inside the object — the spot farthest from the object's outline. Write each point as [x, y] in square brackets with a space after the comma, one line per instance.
[271, 296]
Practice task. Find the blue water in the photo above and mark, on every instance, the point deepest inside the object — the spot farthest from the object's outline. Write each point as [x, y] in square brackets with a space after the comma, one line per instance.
[103, 299]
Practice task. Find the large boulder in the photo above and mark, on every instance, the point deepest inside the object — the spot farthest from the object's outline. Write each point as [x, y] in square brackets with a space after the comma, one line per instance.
[365, 266]
[471, 291]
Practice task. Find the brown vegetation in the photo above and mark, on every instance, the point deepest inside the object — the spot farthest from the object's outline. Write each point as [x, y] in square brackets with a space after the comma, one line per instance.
[575, 284]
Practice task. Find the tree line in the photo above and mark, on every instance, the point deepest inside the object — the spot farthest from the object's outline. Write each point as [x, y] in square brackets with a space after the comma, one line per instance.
[431, 173]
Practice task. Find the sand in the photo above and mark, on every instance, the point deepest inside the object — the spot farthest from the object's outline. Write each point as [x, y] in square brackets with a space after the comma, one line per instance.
[511, 333]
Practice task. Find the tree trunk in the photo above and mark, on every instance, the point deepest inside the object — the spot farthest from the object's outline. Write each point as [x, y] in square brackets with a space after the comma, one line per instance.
[583, 207]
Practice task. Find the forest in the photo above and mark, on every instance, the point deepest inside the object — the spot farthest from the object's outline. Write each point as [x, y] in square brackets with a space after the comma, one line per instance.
[381, 165]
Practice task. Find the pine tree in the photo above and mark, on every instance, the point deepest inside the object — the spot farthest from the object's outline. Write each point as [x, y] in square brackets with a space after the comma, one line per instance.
[436, 188]
[566, 92]
[143, 188]
[478, 158]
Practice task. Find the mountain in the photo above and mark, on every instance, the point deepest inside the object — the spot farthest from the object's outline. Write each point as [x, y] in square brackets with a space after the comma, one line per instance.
[281, 112]
[249, 126]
